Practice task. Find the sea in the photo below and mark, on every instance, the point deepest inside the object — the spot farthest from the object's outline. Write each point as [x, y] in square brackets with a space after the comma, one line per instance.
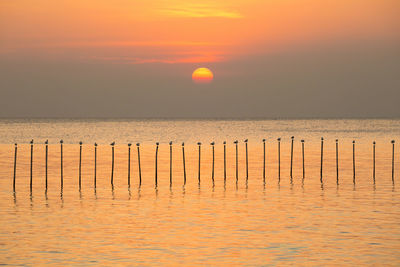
[307, 192]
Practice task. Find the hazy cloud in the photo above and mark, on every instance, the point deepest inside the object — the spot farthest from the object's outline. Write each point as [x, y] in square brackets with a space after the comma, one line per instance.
[200, 11]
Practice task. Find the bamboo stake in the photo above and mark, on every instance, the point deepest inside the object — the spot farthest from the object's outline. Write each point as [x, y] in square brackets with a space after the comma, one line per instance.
[156, 166]
[61, 166]
[15, 164]
[263, 160]
[184, 164]
[337, 161]
[237, 163]
[279, 159]
[140, 171]
[80, 165]
[112, 163]
[199, 144]
[354, 162]
[373, 160]
[393, 160]
[322, 157]
[224, 161]
[129, 165]
[46, 159]
[170, 163]
[291, 160]
[95, 165]
[247, 161]
[213, 159]
[31, 164]
[302, 152]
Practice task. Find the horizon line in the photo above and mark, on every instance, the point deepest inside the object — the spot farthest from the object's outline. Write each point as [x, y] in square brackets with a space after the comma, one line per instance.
[216, 118]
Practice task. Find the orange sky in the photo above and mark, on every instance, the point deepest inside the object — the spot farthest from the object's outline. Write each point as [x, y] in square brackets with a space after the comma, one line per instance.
[175, 31]
[135, 58]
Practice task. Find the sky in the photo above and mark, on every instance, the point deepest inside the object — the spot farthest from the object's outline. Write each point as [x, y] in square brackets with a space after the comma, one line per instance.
[131, 58]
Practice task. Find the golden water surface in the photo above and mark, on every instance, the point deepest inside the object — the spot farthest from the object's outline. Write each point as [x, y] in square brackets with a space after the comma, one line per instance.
[295, 221]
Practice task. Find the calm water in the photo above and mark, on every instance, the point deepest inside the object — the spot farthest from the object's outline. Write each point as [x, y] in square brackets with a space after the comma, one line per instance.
[297, 221]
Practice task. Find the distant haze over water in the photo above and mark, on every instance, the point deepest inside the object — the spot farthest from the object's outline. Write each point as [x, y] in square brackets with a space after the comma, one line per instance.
[193, 130]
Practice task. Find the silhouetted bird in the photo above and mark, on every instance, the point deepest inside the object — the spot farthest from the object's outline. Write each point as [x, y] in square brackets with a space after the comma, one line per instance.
[31, 141]
[129, 144]
[170, 143]
[112, 144]
[47, 141]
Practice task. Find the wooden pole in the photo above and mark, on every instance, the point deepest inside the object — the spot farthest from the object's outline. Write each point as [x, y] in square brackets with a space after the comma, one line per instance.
[31, 164]
[46, 159]
[199, 144]
[247, 161]
[224, 161]
[80, 165]
[354, 161]
[263, 160]
[373, 160]
[170, 163]
[393, 160]
[237, 161]
[156, 166]
[302, 152]
[95, 165]
[112, 163]
[61, 166]
[213, 159]
[140, 171]
[15, 164]
[337, 161]
[322, 158]
[279, 159]
[291, 160]
[129, 165]
[184, 164]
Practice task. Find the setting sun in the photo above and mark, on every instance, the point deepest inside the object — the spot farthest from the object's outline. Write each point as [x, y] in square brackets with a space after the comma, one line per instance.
[202, 75]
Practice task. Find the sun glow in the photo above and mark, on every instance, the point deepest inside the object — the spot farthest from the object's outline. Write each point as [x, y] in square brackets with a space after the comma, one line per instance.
[202, 75]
